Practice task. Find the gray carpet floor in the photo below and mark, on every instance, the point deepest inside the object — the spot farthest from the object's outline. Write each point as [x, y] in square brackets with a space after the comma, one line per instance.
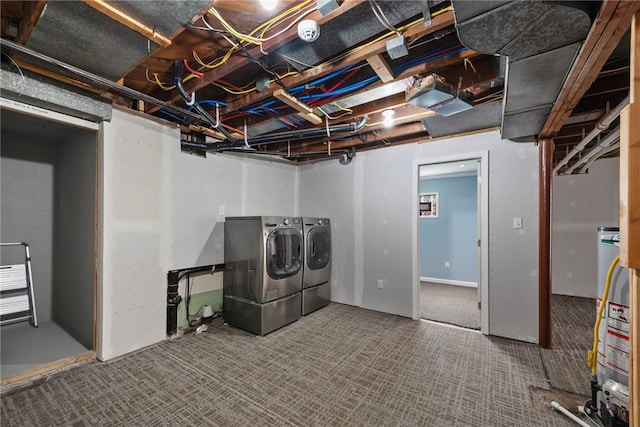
[339, 366]
[455, 305]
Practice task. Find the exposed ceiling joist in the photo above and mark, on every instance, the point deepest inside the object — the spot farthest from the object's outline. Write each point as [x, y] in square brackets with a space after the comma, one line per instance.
[610, 26]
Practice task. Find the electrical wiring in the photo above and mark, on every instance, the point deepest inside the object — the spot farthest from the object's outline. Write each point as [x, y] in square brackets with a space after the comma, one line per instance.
[468, 61]
[250, 38]
[162, 85]
[381, 16]
[233, 92]
[191, 70]
[328, 116]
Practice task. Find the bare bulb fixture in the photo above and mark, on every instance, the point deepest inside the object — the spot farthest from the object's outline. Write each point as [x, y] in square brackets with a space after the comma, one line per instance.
[388, 118]
[269, 4]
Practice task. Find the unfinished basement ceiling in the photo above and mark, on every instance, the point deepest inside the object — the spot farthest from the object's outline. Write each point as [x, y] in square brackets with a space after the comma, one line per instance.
[259, 88]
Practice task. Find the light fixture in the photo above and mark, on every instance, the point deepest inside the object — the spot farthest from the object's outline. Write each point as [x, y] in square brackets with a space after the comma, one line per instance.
[463, 165]
[269, 4]
[388, 118]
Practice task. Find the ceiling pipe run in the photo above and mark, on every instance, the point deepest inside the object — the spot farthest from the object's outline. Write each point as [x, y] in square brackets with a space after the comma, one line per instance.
[601, 153]
[295, 135]
[602, 145]
[603, 124]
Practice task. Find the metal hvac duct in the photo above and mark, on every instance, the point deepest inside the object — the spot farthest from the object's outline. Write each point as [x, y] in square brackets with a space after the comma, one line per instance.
[541, 40]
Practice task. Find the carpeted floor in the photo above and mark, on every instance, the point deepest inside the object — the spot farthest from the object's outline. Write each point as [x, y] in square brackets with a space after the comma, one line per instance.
[339, 366]
[572, 336]
[455, 305]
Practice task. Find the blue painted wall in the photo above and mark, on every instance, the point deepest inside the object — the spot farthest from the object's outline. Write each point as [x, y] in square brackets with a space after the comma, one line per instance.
[453, 235]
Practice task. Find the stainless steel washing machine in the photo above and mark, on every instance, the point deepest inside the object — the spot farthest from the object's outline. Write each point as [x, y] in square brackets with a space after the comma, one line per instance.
[316, 280]
[263, 272]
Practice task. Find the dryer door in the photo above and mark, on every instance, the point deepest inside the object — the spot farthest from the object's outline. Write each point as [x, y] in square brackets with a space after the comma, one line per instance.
[284, 263]
[318, 248]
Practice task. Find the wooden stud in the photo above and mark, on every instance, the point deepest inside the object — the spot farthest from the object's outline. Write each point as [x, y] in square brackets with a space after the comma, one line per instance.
[128, 21]
[381, 68]
[630, 215]
[47, 367]
[304, 110]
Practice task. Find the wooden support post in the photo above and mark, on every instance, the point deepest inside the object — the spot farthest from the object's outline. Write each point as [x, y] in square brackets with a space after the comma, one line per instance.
[630, 215]
[544, 244]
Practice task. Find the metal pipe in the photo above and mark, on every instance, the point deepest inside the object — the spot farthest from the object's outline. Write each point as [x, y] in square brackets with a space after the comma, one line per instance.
[106, 83]
[600, 126]
[274, 138]
[216, 124]
[610, 139]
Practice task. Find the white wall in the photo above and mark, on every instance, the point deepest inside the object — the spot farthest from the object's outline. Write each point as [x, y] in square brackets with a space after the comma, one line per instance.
[370, 203]
[581, 204]
[27, 173]
[74, 258]
[160, 212]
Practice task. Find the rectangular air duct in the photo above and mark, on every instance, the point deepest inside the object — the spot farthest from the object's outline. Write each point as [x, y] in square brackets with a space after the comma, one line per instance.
[433, 93]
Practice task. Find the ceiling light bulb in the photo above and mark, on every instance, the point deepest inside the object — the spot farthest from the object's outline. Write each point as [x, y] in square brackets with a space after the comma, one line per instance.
[388, 118]
[269, 4]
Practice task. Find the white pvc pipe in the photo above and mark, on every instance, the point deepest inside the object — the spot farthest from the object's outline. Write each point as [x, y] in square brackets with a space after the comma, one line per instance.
[555, 405]
[600, 126]
[600, 154]
[610, 139]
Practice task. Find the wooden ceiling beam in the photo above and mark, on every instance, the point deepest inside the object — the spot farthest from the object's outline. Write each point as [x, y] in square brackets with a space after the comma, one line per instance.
[611, 23]
[31, 13]
[396, 100]
[438, 23]
[128, 21]
[235, 62]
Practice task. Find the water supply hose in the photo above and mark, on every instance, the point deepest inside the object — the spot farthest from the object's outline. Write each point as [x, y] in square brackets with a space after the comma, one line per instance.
[592, 356]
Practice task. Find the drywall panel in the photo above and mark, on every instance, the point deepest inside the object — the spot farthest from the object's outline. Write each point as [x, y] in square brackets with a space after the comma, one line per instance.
[513, 265]
[74, 259]
[329, 189]
[163, 210]
[387, 238]
[358, 197]
[448, 242]
[27, 204]
[581, 204]
[204, 191]
[135, 232]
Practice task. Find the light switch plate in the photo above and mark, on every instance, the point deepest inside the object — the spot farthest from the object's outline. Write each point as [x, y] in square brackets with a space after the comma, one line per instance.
[517, 222]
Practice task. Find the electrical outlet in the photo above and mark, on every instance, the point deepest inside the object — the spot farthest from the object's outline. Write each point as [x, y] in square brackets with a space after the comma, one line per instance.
[380, 284]
[221, 210]
[447, 264]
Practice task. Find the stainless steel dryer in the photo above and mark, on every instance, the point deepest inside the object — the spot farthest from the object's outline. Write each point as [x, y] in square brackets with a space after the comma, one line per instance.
[263, 272]
[316, 282]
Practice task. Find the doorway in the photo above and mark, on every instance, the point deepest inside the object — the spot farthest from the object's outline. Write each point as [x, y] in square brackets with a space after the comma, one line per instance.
[49, 202]
[451, 261]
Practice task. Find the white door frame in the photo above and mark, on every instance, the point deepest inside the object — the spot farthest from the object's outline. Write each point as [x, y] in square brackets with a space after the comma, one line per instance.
[483, 156]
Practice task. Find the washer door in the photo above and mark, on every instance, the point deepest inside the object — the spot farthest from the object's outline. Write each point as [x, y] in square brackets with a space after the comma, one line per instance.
[318, 248]
[284, 253]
